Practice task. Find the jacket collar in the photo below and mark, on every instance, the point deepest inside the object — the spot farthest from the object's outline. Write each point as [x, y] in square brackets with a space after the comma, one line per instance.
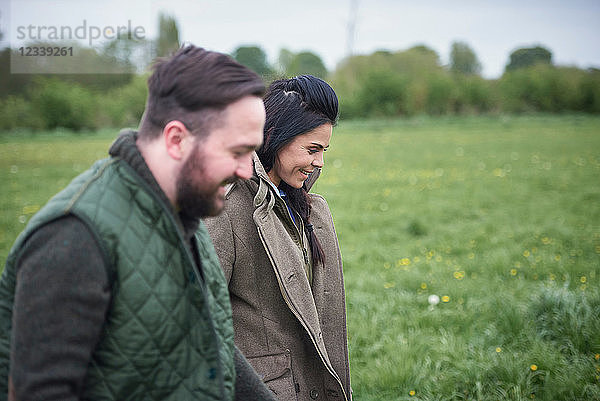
[264, 182]
[126, 149]
[260, 172]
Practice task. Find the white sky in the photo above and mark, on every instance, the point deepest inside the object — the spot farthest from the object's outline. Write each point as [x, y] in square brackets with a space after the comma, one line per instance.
[570, 29]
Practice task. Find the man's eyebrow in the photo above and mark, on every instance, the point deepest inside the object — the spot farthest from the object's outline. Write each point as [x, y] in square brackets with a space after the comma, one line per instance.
[247, 147]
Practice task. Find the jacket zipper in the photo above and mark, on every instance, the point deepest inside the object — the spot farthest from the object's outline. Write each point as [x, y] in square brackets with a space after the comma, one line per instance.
[299, 317]
[289, 303]
[301, 320]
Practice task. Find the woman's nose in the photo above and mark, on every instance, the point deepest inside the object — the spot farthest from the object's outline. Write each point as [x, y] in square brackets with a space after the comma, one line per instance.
[318, 160]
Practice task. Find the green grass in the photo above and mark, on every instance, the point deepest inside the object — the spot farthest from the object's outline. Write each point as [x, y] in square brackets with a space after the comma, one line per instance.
[501, 215]
[34, 168]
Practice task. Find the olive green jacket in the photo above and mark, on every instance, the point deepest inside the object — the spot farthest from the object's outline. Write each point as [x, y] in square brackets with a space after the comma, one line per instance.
[292, 331]
[168, 333]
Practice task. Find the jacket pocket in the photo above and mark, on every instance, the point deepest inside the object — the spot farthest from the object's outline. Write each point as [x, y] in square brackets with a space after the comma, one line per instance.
[275, 370]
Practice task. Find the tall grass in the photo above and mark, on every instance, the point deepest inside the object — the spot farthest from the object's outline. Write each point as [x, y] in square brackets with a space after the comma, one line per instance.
[498, 217]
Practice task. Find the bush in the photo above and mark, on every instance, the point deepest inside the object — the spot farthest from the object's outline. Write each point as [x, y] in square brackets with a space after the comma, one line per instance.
[383, 94]
[124, 106]
[441, 96]
[60, 104]
[589, 88]
[16, 112]
[474, 95]
[547, 88]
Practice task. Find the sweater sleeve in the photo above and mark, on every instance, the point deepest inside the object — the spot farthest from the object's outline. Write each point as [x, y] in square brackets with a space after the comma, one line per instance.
[61, 298]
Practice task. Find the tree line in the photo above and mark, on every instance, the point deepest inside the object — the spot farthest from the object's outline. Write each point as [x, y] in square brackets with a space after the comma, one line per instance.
[414, 81]
[381, 84]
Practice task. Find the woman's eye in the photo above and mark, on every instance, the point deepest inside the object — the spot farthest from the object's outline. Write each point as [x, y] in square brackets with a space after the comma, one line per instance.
[311, 151]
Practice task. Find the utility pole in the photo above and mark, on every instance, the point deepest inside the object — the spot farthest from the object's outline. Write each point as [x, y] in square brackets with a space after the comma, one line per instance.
[351, 28]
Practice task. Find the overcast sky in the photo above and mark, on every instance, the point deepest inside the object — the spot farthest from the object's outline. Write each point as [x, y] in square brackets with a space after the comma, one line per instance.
[570, 29]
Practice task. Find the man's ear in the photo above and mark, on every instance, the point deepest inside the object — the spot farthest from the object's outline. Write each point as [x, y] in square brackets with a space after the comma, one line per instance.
[177, 138]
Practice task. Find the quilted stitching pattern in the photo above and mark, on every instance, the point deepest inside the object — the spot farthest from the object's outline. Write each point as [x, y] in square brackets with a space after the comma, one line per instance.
[168, 336]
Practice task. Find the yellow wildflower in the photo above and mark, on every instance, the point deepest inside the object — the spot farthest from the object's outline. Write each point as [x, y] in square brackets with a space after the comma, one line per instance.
[459, 275]
[445, 298]
[412, 393]
[533, 367]
[30, 209]
[498, 349]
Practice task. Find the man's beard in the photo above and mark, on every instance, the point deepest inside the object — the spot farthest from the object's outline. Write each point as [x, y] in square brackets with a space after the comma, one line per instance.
[195, 197]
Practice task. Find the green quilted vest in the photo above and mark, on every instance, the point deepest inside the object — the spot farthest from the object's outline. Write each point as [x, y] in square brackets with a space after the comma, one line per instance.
[168, 333]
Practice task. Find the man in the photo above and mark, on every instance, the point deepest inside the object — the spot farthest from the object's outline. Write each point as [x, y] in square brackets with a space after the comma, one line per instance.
[113, 291]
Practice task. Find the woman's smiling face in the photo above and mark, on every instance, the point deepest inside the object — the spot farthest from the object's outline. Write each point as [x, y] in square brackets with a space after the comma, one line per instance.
[297, 159]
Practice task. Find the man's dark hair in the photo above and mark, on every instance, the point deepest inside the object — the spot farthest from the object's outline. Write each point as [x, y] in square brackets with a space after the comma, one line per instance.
[195, 80]
[294, 107]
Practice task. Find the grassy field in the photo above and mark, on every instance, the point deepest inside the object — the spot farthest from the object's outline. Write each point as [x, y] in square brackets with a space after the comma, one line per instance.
[496, 218]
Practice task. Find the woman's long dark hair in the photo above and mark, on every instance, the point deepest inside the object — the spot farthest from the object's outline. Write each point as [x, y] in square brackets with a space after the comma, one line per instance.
[295, 106]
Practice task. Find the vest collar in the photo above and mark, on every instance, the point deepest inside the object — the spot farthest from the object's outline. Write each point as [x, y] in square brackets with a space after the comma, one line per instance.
[126, 149]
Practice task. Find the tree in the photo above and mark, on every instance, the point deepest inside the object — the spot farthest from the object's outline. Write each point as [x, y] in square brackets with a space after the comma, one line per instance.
[168, 36]
[254, 58]
[463, 59]
[121, 53]
[284, 61]
[526, 57]
[425, 50]
[307, 63]
[417, 61]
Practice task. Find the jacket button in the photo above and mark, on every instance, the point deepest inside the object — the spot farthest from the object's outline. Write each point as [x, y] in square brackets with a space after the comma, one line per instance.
[314, 394]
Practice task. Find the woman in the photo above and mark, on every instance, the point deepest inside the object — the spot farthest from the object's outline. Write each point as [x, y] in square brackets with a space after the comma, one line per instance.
[279, 251]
